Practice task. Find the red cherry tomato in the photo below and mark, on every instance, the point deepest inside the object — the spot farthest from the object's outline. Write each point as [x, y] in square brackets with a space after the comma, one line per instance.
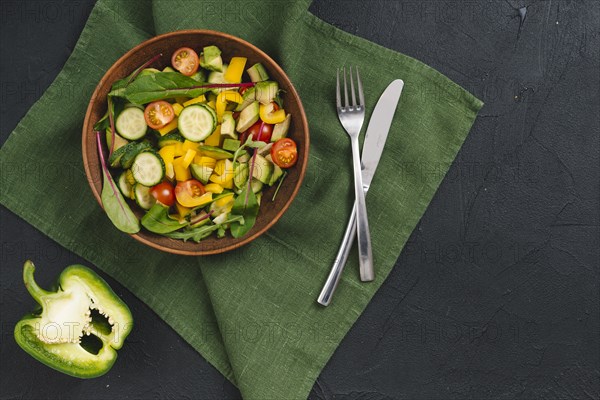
[284, 153]
[185, 60]
[265, 136]
[158, 114]
[188, 193]
[164, 193]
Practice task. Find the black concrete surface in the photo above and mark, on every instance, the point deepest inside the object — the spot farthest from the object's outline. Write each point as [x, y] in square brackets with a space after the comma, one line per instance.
[496, 295]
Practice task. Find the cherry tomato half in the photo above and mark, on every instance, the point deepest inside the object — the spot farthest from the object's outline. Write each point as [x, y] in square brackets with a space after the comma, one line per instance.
[284, 153]
[158, 114]
[188, 193]
[164, 193]
[185, 60]
[254, 130]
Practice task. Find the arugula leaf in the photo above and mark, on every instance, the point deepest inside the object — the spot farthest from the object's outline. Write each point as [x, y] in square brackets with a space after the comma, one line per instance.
[102, 123]
[248, 143]
[247, 206]
[157, 220]
[279, 185]
[112, 200]
[158, 86]
[197, 234]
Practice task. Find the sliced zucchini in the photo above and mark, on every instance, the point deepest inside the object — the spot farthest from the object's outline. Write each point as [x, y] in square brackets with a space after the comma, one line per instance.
[148, 168]
[131, 123]
[143, 197]
[197, 122]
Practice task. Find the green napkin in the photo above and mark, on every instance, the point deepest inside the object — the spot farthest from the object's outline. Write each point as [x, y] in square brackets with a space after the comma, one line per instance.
[252, 312]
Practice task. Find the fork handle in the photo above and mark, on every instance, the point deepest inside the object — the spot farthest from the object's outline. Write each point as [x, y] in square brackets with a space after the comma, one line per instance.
[340, 261]
[365, 252]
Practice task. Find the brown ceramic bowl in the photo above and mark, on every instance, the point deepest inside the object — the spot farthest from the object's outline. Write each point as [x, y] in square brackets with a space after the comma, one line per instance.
[166, 44]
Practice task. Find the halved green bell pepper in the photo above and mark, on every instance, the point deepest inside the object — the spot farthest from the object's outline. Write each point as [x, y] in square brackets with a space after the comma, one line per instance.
[79, 326]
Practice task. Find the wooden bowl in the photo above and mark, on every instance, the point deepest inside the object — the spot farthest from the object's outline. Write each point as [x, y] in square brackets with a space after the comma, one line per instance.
[166, 44]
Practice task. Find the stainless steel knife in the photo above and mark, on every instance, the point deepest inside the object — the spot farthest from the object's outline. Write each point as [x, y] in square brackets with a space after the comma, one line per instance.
[377, 131]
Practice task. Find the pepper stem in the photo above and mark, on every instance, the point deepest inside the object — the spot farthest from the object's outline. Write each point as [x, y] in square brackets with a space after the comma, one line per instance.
[34, 290]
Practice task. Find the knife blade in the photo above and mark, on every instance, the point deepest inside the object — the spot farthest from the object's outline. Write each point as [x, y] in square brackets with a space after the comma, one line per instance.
[377, 131]
[375, 138]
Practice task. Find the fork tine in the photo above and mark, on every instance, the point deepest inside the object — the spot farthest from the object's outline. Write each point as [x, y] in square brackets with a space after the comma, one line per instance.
[361, 95]
[352, 88]
[338, 100]
[345, 90]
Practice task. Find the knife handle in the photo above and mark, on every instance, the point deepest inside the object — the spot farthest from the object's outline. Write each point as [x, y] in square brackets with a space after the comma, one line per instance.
[340, 261]
[365, 252]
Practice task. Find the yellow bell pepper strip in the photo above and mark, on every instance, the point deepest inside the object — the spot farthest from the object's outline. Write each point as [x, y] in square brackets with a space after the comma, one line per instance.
[193, 201]
[179, 149]
[182, 210]
[188, 158]
[169, 171]
[188, 144]
[205, 161]
[177, 108]
[268, 114]
[222, 180]
[81, 315]
[181, 173]
[199, 99]
[214, 188]
[235, 69]
[215, 138]
[170, 127]
[167, 153]
[223, 98]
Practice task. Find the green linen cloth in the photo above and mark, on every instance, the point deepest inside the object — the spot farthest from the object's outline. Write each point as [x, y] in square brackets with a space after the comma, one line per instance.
[251, 312]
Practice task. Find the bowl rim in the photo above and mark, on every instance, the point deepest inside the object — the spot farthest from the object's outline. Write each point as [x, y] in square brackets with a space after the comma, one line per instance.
[290, 89]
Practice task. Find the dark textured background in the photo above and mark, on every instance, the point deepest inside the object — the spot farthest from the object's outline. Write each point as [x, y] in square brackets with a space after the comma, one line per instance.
[495, 296]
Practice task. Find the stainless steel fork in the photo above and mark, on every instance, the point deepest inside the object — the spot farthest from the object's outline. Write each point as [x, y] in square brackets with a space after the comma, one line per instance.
[352, 117]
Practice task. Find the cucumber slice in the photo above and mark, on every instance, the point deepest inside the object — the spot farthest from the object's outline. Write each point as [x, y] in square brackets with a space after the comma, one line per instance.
[148, 168]
[124, 185]
[143, 197]
[132, 152]
[197, 122]
[131, 123]
[115, 158]
[170, 138]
